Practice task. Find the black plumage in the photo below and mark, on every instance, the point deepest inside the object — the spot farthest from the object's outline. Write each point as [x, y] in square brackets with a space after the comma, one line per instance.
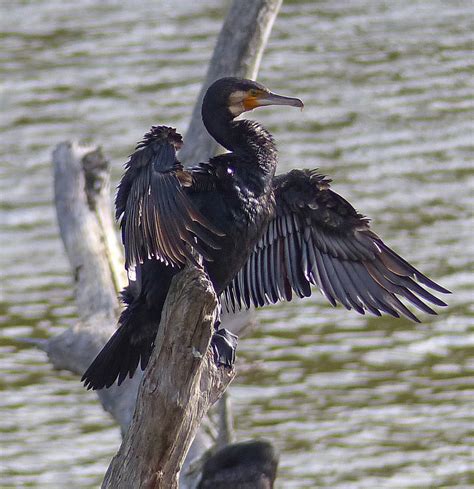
[246, 465]
[262, 237]
[317, 238]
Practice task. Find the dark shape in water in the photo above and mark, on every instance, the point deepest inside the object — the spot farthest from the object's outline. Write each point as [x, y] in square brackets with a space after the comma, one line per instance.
[246, 465]
[262, 237]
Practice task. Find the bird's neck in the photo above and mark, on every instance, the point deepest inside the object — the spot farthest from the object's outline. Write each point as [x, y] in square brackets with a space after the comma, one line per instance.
[248, 140]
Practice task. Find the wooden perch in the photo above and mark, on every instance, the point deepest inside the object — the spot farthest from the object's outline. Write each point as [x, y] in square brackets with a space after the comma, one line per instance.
[180, 384]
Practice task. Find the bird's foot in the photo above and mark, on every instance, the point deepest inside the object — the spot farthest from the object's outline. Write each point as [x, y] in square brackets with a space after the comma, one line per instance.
[224, 345]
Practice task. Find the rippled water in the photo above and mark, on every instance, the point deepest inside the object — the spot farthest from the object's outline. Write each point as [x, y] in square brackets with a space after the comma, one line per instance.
[350, 401]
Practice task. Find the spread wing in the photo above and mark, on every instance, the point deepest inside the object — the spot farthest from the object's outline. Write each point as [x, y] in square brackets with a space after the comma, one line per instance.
[158, 220]
[318, 238]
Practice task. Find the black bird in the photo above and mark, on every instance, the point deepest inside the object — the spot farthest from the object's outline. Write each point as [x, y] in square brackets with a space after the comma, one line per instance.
[246, 465]
[262, 237]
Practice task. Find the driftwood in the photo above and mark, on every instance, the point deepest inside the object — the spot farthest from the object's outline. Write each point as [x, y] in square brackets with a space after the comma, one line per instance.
[82, 197]
[83, 208]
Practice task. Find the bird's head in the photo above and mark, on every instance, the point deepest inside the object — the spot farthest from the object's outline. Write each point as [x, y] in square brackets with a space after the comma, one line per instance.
[238, 95]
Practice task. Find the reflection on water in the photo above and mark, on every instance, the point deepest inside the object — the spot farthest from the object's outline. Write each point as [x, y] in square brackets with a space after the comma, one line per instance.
[351, 402]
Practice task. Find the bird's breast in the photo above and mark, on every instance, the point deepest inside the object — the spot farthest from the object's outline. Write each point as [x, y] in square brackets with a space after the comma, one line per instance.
[242, 214]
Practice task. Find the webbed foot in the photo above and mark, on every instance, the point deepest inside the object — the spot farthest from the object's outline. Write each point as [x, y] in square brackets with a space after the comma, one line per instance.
[224, 345]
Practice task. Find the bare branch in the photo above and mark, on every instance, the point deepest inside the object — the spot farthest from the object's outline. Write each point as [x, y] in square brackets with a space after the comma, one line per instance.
[81, 184]
[81, 188]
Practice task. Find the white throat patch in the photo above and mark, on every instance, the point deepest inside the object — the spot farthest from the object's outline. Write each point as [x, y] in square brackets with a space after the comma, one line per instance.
[236, 102]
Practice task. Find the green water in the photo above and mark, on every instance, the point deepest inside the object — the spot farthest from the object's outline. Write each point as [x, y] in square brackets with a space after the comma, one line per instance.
[350, 401]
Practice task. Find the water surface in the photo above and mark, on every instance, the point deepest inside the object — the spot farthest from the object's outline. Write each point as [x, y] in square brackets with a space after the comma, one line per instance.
[350, 401]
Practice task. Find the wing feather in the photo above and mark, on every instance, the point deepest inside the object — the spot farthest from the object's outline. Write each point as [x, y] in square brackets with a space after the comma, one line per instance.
[318, 238]
[158, 219]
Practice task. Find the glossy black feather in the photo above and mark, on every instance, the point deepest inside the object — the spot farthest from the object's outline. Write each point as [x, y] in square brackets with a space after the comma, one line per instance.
[158, 219]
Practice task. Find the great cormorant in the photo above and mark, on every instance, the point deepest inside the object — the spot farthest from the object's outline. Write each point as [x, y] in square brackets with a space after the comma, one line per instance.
[262, 237]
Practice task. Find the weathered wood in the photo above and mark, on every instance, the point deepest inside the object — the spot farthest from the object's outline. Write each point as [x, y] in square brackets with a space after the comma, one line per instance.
[180, 385]
[82, 198]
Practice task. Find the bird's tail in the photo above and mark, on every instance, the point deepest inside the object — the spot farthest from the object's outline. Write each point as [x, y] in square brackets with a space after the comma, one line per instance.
[130, 345]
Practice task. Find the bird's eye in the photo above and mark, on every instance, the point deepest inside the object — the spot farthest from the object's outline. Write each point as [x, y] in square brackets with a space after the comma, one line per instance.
[253, 92]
